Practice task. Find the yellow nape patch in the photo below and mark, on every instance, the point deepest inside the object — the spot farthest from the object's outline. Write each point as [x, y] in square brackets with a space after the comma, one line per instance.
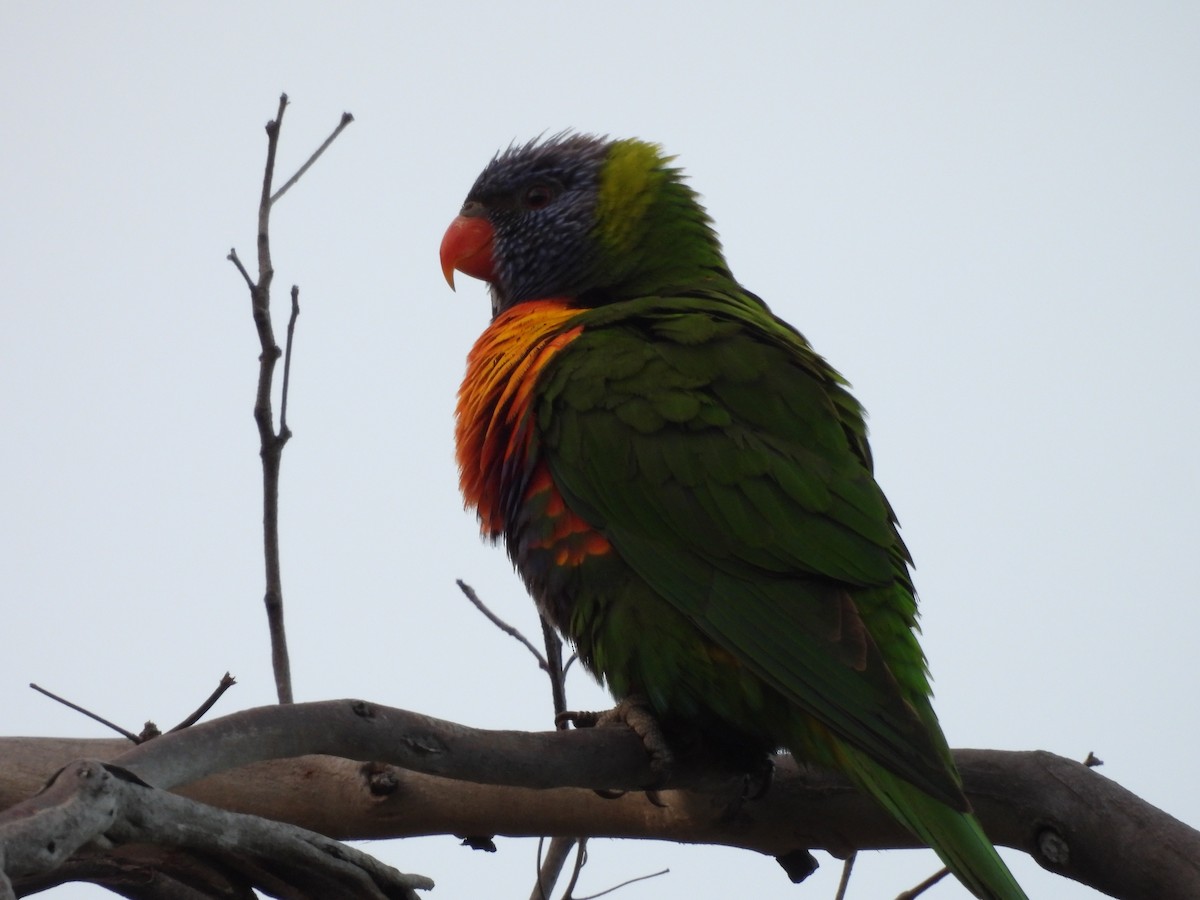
[629, 182]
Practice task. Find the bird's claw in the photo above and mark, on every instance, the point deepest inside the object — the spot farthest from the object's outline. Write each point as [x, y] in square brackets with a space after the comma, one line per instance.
[634, 713]
[578, 718]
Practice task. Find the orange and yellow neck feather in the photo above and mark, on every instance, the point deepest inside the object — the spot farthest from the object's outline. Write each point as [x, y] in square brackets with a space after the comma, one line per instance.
[494, 413]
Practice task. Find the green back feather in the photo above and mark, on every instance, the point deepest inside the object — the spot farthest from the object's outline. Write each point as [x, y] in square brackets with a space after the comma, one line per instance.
[709, 450]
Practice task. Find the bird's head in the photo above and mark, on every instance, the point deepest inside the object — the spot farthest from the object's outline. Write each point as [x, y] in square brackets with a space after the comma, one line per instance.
[582, 218]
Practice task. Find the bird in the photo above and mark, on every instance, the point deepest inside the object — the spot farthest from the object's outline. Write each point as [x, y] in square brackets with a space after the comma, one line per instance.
[686, 487]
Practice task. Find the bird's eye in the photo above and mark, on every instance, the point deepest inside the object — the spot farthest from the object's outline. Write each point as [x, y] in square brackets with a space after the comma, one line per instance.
[538, 196]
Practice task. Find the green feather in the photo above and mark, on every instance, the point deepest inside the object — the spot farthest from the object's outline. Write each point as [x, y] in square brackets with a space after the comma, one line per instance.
[726, 464]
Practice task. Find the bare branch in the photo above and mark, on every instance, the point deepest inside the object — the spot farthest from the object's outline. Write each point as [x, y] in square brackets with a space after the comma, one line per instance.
[555, 669]
[550, 867]
[1068, 817]
[347, 118]
[271, 441]
[284, 431]
[233, 257]
[847, 871]
[271, 444]
[264, 202]
[914, 892]
[560, 847]
[227, 681]
[626, 882]
[91, 715]
[469, 593]
[91, 801]
[581, 858]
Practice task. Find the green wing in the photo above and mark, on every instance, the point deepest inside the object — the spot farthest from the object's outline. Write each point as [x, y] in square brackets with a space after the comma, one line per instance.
[728, 466]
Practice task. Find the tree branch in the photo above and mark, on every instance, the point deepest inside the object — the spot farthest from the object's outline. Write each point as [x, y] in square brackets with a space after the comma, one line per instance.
[87, 712]
[511, 631]
[271, 441]
[551, 865]
[227, 681]
[549, 870]
[347, 118]
[458, 780]
[91, 801]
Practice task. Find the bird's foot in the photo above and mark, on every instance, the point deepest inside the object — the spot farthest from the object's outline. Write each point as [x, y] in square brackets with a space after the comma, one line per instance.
[633, 712]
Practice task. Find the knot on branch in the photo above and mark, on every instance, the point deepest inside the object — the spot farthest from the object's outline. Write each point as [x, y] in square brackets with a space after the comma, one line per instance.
[1053, 848]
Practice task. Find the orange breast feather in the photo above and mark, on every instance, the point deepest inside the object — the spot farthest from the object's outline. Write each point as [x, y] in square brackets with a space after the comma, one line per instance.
[494, 426]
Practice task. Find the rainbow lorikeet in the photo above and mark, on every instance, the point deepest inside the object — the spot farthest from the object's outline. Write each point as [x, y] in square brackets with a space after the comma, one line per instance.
[686, 487]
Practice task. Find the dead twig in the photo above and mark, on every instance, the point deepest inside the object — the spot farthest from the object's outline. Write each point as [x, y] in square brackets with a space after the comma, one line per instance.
[272, 441]
[550, 867]
[469, 593]
[844, 882]
[560, 847]
[227, 681]
[287, 362]
[347, 118]
[918, 890]
[149, 730]
[91, 715]
[555, 669]
[617, 887]
[581, 855]
[548, 870]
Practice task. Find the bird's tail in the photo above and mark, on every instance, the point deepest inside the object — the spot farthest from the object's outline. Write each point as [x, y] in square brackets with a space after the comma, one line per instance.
[956, 837]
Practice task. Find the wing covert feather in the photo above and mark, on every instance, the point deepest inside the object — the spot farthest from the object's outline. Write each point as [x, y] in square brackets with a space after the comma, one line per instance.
[727, 465]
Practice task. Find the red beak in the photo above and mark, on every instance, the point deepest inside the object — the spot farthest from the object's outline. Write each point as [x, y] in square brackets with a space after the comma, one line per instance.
[467, 247]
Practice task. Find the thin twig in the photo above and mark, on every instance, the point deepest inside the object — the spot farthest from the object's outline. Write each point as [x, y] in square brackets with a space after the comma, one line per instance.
[284, 431]
[555, 669]
[548, 873]
[577, 869]
[91, 715]
[264, 202]
[227, 681]
[539, 890]
[550, 867]
[271, 449]
[272, 442]
[617, 887]
[347, 118]
[925, 885]
[233, 257]
[844, 883]
[470, 594]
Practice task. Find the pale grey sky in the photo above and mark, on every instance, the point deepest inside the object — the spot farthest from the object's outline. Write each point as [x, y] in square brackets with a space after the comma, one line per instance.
[986, 216]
